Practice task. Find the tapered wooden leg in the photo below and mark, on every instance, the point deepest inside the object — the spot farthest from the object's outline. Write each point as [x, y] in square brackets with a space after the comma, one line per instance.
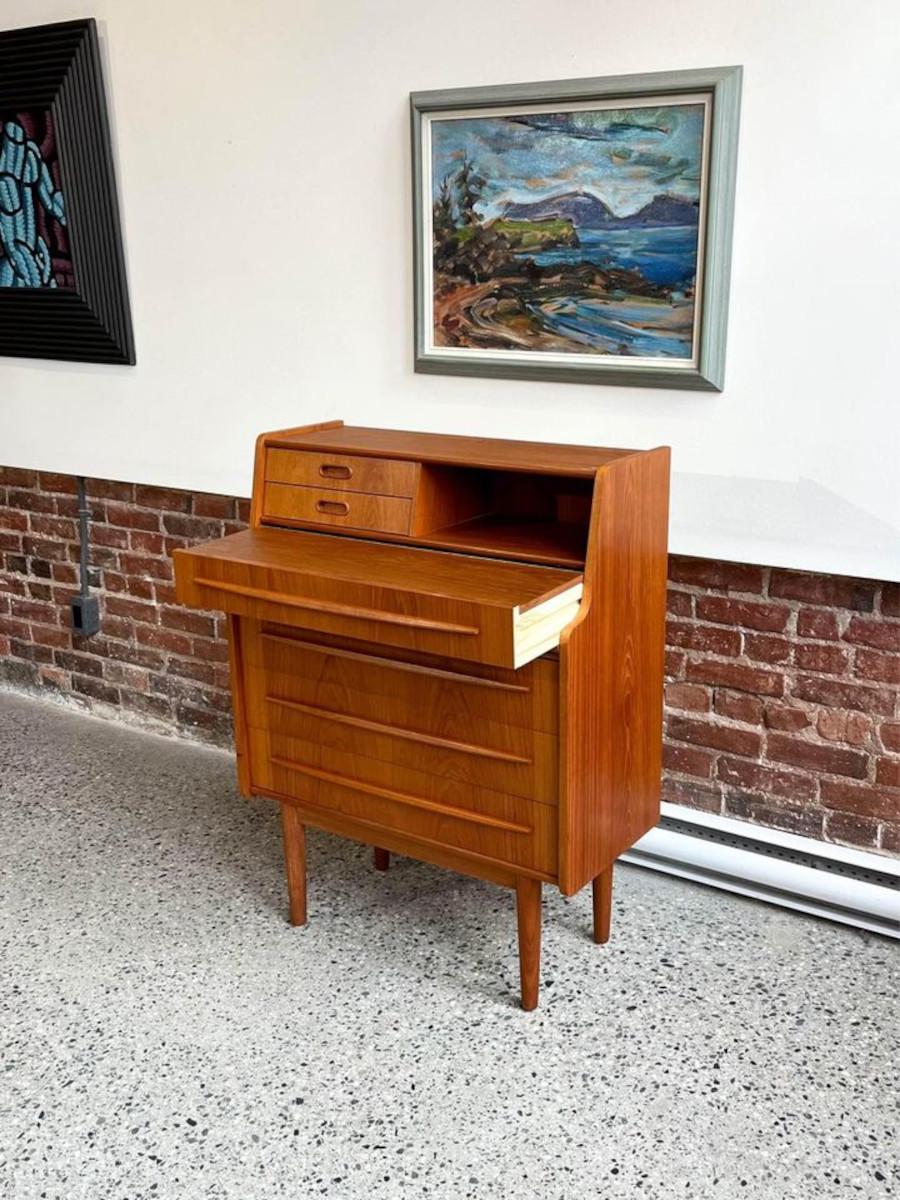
[295, 862]
[382, 859]
[528, 912]
[602, 887]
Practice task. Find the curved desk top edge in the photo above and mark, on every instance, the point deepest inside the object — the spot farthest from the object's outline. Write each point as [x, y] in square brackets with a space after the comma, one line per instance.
[446, 449]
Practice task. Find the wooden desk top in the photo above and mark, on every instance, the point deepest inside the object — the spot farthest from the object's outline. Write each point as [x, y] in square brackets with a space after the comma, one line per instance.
[450, 449]
[429, 572]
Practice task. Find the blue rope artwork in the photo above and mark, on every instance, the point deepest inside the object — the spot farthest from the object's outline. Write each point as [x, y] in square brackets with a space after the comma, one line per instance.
[34, 248]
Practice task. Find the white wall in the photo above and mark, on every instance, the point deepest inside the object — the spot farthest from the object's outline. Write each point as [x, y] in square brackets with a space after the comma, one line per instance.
[264, 170]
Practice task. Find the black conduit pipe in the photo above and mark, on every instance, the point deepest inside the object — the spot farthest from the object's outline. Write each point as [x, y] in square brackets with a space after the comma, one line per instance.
[85, 607]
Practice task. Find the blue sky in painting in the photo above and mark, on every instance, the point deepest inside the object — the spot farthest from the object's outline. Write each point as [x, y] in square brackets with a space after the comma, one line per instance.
[625, 156]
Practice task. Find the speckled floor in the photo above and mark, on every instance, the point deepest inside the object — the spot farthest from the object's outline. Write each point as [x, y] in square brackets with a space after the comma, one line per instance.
[165, 1033]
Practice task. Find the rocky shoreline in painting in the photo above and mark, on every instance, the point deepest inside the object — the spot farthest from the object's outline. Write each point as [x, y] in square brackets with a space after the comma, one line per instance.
[498, 285]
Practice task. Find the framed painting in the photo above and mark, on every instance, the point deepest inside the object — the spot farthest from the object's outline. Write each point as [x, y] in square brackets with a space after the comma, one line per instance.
[63, 290]
[578, 230]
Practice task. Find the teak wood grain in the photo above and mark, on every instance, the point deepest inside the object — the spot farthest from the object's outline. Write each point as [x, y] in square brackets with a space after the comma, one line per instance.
[611, 673]
[376, 693]
[489, 453]
[438, 701]
[337, 507]
[508, 829]
[377, 476]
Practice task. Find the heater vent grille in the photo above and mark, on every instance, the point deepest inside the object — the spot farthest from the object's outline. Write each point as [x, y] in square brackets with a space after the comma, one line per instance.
[847, 886]
[809, 859]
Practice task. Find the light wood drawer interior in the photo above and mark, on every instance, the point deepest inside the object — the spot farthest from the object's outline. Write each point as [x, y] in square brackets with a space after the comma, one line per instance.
[329, 506]
[350, 472]
[477, 819]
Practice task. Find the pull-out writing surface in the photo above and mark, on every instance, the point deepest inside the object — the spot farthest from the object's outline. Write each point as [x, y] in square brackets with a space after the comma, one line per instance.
[464, 607]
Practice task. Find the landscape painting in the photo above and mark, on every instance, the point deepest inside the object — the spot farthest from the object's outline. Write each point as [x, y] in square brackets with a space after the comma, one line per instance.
[565, 235]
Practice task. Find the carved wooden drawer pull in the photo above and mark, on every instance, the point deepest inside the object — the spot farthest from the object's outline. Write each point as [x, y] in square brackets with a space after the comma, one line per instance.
[336, 508]
[335, 471]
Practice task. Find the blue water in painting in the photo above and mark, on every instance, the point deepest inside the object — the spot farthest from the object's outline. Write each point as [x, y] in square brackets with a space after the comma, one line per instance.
[617, 329]
[666, 255]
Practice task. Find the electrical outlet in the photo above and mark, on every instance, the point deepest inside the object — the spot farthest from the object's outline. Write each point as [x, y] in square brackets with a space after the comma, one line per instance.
[85, 615]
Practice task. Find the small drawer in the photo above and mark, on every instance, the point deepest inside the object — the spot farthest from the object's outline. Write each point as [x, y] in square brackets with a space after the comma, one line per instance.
[344, 472]
[328, 506]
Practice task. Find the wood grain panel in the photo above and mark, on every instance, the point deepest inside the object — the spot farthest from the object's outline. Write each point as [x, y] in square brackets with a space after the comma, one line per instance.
[329, 506]
[533, 773]
[611, 673]
[466, 862]
[427, 573]
[539, 676]
[447, 703]
[380, 476]
[507, 828]
[548, 457]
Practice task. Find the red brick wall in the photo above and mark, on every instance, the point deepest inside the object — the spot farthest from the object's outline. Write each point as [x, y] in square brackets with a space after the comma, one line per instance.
[783, 694]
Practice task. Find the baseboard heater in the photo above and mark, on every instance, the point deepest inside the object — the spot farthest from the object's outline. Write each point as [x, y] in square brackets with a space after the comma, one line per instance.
[840, 884]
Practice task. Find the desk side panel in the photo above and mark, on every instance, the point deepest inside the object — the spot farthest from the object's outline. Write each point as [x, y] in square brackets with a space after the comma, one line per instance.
[611, 676]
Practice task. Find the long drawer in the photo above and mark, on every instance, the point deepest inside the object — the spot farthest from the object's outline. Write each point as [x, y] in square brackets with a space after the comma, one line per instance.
[530, 770]
[439, 696]
[451, 605]
[477, 819]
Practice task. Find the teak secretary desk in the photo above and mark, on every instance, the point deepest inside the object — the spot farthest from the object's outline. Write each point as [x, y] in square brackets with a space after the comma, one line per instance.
[450, 648]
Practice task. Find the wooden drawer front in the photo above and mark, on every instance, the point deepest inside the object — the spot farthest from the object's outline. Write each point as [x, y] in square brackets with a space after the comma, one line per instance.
[328, 506]
[507, 828]
[530, 770]
[350, 472]
[447, 701]
[451, 628]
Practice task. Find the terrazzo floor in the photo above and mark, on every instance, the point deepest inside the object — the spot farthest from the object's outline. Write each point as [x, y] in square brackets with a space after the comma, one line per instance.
[165, 1033]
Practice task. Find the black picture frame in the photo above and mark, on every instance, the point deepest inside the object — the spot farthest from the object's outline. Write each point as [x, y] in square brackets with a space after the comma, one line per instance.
[57, 69]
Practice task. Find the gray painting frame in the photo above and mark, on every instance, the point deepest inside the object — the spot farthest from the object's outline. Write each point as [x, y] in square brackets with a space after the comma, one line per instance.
[724, 86]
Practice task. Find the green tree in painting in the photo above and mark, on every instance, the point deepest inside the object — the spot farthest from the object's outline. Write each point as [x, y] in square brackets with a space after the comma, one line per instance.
[469, 187]
[443, 209]
[464, 246]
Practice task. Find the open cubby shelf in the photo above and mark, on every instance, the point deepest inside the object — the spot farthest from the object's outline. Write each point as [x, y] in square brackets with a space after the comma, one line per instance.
[511, 537]
[514, 514]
